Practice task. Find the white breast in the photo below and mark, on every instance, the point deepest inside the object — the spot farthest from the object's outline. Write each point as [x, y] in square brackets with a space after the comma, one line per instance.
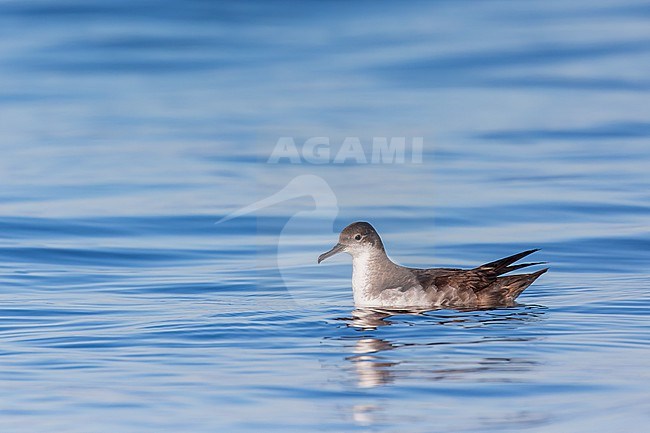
[361, 278]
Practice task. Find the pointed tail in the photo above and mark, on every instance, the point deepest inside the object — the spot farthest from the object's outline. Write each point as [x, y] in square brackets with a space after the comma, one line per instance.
[515, 284]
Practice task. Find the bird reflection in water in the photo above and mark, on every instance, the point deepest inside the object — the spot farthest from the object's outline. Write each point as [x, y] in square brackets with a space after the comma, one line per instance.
[374, 368]
[371, 370]
[379, 362]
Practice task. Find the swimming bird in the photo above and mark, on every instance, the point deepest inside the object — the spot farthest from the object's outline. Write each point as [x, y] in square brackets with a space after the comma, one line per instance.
[379, 282]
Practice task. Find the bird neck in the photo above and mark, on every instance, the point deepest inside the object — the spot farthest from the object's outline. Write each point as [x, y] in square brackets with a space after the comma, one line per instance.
[368, 267]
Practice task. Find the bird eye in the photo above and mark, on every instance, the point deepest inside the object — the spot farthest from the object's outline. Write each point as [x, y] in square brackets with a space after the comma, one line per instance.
[357, 237]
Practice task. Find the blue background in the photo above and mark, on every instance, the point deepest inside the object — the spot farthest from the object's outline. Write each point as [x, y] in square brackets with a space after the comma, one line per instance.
[128, 128]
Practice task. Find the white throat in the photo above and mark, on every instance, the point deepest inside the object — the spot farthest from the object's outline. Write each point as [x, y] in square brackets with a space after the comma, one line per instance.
[361, 277]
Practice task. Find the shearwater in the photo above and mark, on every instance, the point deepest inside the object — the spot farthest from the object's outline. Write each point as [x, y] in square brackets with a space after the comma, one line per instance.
[379, 282]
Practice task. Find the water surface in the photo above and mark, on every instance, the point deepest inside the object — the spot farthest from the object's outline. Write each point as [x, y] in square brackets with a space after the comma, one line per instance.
[130, 128]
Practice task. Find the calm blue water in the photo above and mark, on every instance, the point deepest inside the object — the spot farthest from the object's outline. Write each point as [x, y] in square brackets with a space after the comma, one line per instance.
[128, 128]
